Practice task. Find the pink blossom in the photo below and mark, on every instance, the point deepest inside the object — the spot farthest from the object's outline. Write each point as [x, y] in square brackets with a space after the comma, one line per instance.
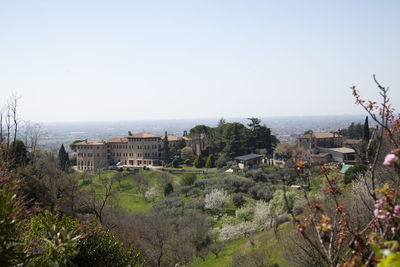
[397, 209]
[390, 159]
[376, 213]
[393, 229]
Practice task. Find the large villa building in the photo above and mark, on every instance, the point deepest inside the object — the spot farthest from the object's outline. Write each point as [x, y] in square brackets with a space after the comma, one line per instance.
[140, 149]
[324, 147]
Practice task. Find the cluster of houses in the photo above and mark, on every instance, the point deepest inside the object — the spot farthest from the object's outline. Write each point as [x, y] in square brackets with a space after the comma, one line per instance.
[321, 146]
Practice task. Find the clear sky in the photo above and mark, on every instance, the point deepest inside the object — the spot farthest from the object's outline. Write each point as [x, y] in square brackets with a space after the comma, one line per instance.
[128, 60]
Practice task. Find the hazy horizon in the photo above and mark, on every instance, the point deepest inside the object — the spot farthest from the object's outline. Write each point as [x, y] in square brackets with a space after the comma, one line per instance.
[227, 119]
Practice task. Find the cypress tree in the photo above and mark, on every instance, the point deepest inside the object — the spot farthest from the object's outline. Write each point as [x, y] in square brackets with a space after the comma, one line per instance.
[168, 189]
[63, 158]
[166, 147]
[210, 163]
[366, 136]
[198, 162]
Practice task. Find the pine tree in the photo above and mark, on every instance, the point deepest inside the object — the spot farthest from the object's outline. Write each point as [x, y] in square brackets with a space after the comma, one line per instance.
[366, 135]
[166, 147]
[63, 158]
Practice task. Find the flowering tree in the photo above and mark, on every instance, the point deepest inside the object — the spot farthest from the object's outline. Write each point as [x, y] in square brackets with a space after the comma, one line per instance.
[216, 200]
[332, 227]
[262, 215]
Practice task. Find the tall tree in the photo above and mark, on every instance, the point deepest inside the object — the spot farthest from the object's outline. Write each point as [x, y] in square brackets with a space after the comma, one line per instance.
[166, 147]
[366, 135]
[210, 163]
[63, 158]
[198, 162]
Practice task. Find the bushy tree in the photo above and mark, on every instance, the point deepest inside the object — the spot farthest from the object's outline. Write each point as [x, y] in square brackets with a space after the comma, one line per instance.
[101, 248]
[186, 153]
[18, 154]
[188, 179]
[237, 199]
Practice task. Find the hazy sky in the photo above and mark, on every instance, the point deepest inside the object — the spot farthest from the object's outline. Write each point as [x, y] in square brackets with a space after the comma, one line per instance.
[128, 60]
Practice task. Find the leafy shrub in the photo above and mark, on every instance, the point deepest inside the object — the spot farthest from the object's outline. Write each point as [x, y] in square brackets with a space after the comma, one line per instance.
[197, 204]
[87, 181]
[188, 162]
[11, 211]
[150, 194]
[260, 192]
[170, 206]
[57, 236]
[278, 205]
[175, 163]
[188, 179]
[351, 174]
[185, 190]
[221, 161]
[245, 213]
[237, 199]
[101, 248]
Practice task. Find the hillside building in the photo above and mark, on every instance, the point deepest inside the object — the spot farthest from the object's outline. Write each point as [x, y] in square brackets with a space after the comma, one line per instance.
[324, 147]
[140, 149]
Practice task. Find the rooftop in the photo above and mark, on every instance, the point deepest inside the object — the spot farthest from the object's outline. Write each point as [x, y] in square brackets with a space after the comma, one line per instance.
[118, 140]
[144, 135]
[248, 157]
[344, 150]
[320, 135]
[172, 137]
[90, 143]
